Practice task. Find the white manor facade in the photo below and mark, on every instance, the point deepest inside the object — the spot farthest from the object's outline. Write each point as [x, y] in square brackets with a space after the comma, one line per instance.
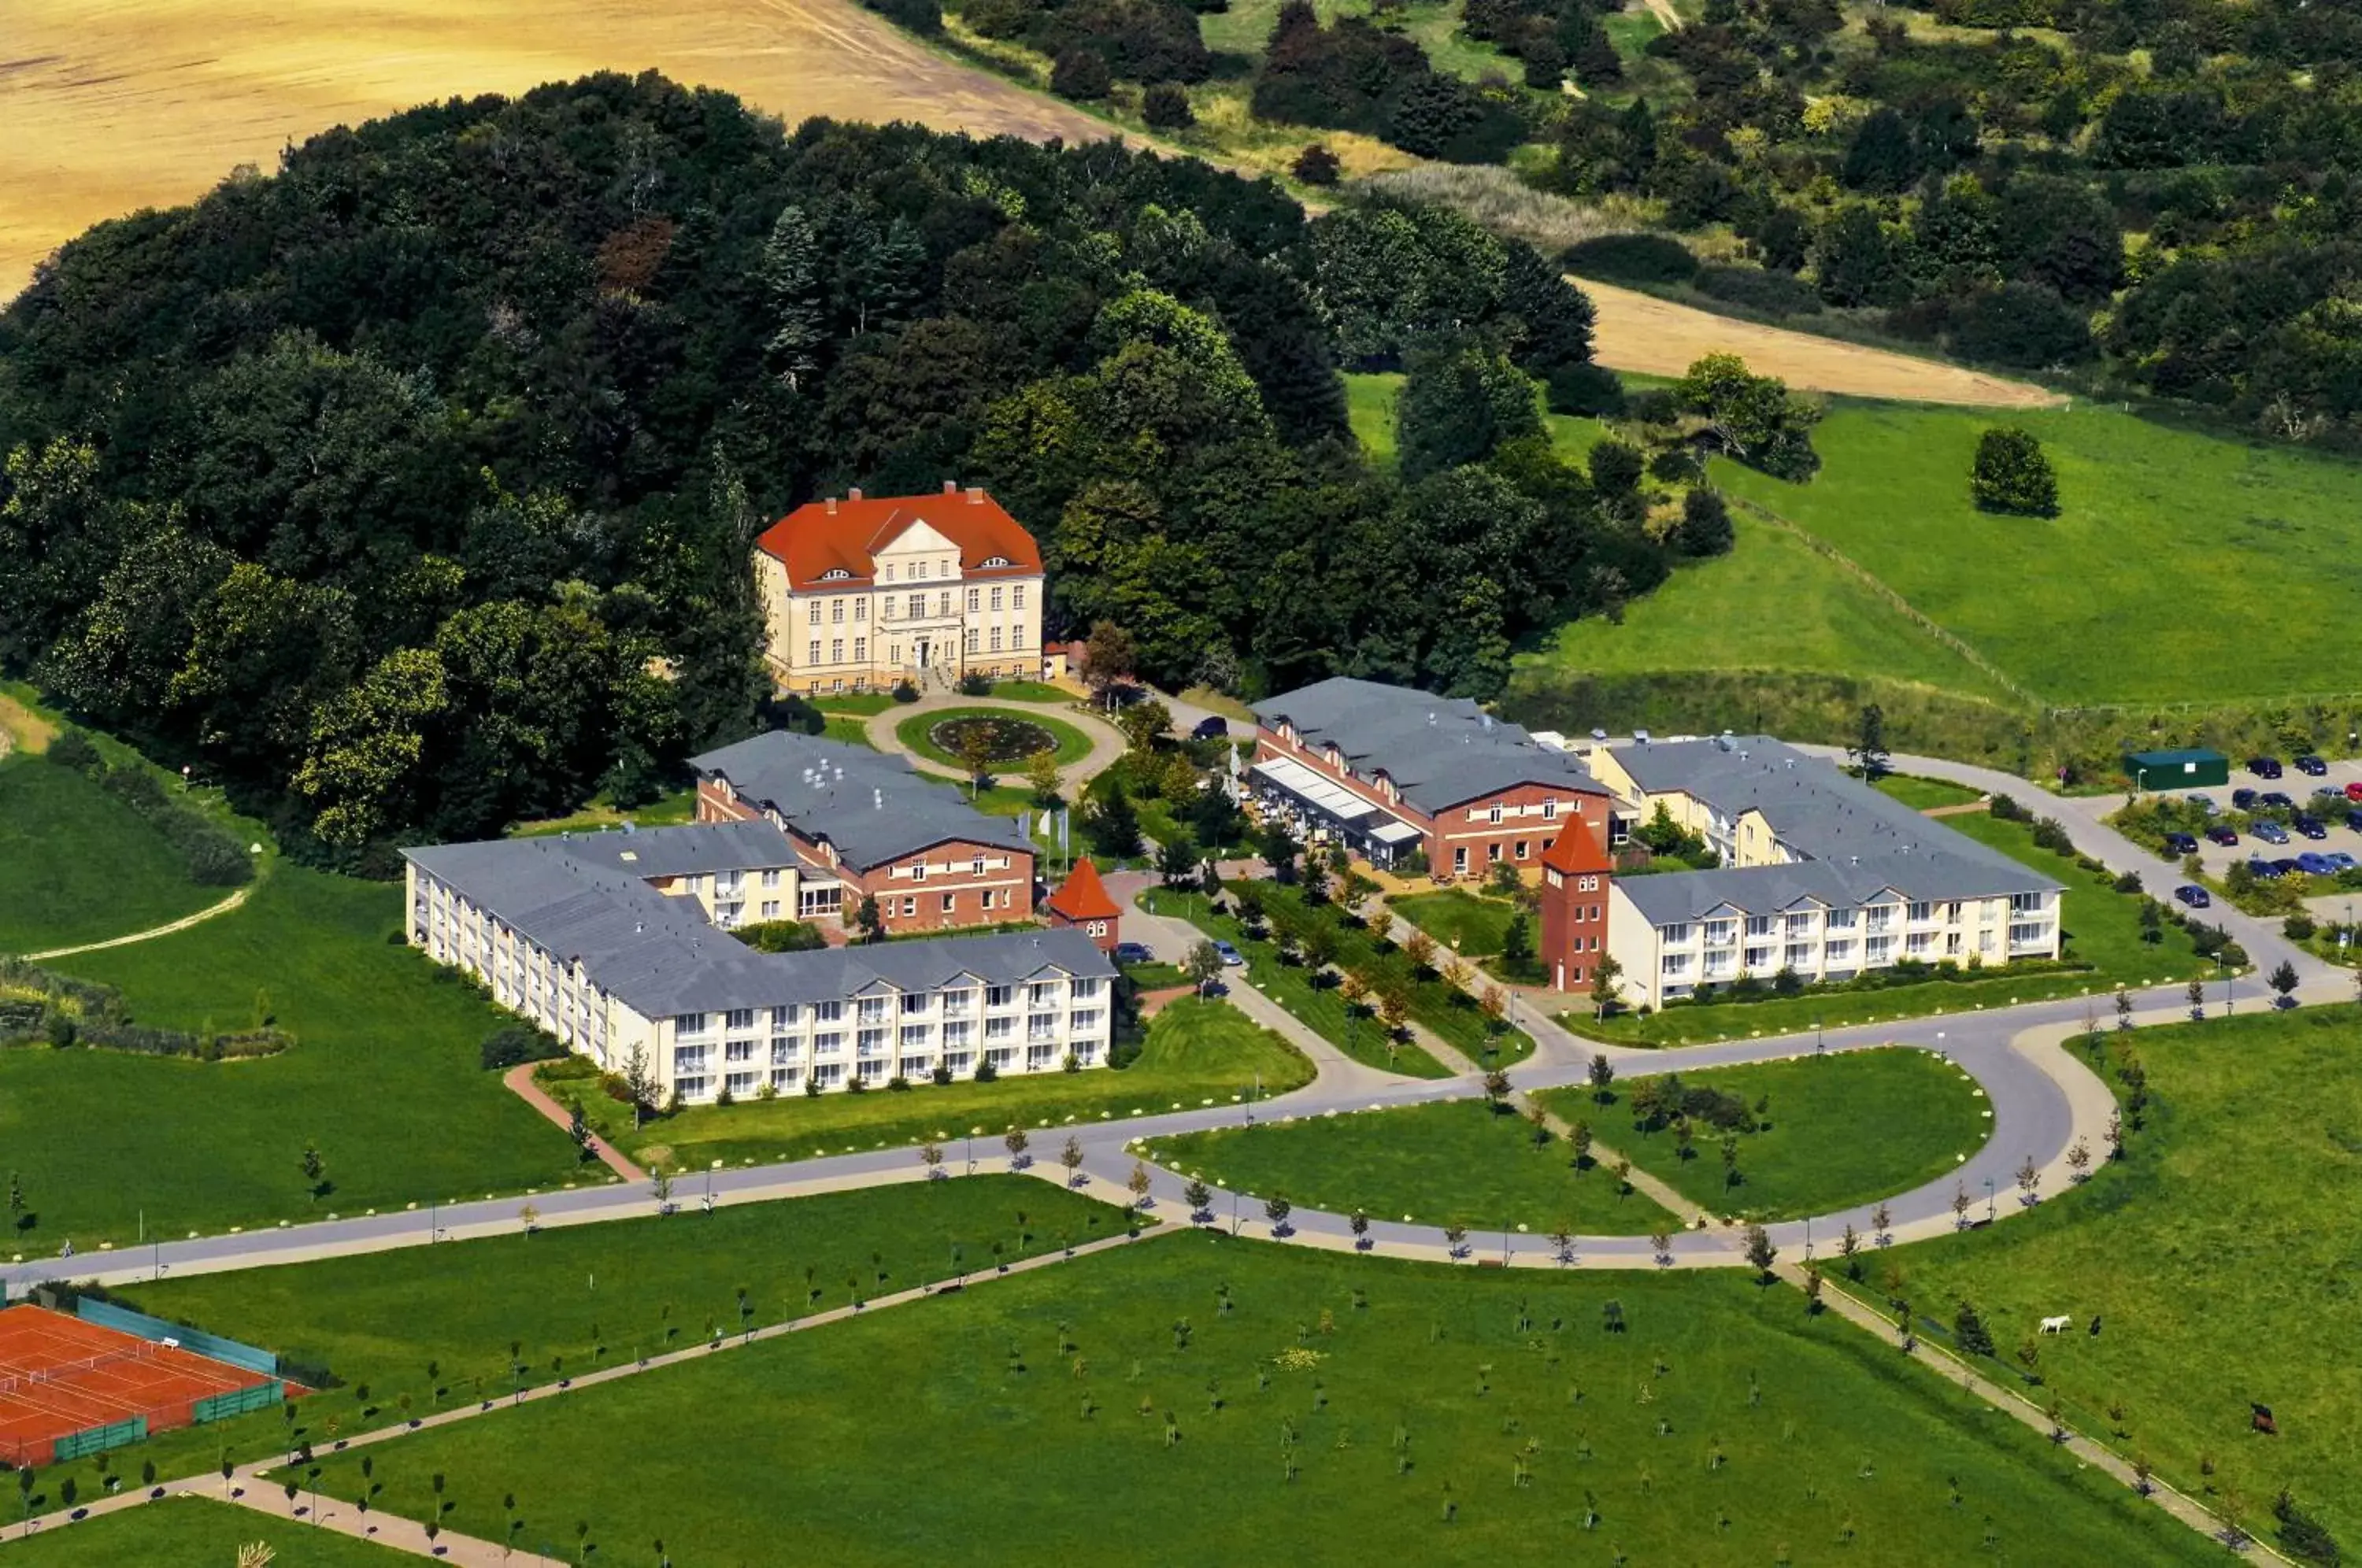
[607, 941]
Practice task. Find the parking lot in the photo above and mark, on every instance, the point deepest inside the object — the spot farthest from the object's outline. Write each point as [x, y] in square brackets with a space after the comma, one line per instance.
[2299, 788]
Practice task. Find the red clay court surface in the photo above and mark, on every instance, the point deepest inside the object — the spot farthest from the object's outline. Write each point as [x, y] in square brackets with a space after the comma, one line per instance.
[60, 1376]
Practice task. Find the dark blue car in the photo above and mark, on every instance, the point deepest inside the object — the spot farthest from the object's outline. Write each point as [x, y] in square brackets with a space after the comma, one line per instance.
[2312, 766]
[2262, 868]
[2264, 767]
[2314, 865]
[2270, 833]
[2308, 826]
[2196, 897]
[2243, 799]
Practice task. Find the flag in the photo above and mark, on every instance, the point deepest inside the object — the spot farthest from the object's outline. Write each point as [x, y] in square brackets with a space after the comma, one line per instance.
[1065, 818]
[1045, 821]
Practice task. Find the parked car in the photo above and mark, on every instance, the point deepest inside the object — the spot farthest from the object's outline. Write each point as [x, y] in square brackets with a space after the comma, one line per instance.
[2353, 821]
[2308, 824]
[2353, 793]
[2196, 897]
[2270, 798]
[2264, 767]
[2178, 844]
[2270, 833]
[2310, 766]
[1133, 953]
[2227, 834]
[2339, 860]
[1213, 726]
[2263, 868]
[2314, 865]
[2243, 799]
[1230, 959]
[2287, 867]
[2206, 803]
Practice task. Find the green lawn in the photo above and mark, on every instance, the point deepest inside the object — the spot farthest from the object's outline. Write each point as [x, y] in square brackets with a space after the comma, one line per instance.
[1839, 1131]
[190, 1533]
[2220, 1256]
[2099, 605]
[1460, 1160]
[1422, 1394]
[1029, 692]
[858, 704]
[1069, 744]
[1370, 408]
[849, 729]
[1772, 604]
[2102, 929]
[1925, 794]
[581, 1295]
[1244, 28]
[1466, 922]
[1195, 1053]
[666, 811]
[78, 866]
[384, 1078]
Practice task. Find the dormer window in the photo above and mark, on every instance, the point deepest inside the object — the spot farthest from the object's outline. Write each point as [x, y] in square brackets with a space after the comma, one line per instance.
[834, 574]
[996, 560]
[889, 571]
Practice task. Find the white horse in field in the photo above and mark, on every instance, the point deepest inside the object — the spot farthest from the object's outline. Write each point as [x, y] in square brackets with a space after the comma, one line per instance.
[2058, 1325]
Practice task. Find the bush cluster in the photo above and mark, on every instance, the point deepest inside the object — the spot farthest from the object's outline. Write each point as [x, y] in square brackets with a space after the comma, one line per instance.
[213, 858]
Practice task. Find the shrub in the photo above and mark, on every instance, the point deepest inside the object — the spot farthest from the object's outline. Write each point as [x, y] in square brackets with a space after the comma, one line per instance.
[2012, 476]
[985, 1072]
[1316, 165]
[2302, 1535]
[1165, 107]
[2022, 326]
[2298, 928]
[1758, 289]
[973, 684]
[1704, 528]
[73, 749]
[1632, 258]
[513, 1044]
[1081, 74]
[905, 691]
[1586, 389]
[781, 936]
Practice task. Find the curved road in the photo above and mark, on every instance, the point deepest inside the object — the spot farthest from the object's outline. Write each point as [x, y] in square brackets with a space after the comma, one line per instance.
[1107, 742]
[2044, 1101]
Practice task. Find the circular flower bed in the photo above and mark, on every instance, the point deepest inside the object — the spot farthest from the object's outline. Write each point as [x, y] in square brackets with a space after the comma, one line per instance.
[1005, 739]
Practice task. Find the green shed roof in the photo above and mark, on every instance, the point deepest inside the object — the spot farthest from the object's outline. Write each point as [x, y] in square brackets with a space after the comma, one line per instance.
[2174, 758]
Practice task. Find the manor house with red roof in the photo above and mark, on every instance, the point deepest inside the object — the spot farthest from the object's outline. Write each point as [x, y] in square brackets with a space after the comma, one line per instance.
[862, 592]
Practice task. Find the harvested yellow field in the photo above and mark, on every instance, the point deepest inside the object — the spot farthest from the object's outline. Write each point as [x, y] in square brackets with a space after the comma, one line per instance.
[110, 106]
[1640, 332]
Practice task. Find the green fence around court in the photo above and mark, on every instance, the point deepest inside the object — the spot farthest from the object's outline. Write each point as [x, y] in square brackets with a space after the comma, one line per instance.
[95, 1440]
[236, 1402]
[108, 1316]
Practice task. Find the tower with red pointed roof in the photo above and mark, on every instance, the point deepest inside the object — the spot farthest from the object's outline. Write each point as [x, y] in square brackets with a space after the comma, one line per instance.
[1082, 901]
[1575, 873]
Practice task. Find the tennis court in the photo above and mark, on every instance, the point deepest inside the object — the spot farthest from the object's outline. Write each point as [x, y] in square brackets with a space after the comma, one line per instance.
[70, 1387]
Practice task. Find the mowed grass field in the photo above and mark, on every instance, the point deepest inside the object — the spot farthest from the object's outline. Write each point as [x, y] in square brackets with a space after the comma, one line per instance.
[1195, 1052]
[77, 866]
[1193, 1398]
[119, 104]
[1458, 1160]
[192, 1532]
[2220, 1256]
[572, 1298]
[1837, 1132]
[2179, 562]
[384, 1078]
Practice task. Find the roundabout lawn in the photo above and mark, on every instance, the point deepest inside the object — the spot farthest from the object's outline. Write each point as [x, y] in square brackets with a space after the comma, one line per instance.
[1195, 1052]
[1454, 1160]
[1837, 1131]
[1067, 745]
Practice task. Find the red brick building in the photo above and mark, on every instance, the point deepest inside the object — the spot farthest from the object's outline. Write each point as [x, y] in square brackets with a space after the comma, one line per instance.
[1082, 901]
[1576, 872]
[1388, 770]
[864, 824]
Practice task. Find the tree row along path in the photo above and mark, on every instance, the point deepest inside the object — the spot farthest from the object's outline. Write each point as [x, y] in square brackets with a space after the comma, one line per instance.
[244, 1485]
[1640, 332]
[152, 103]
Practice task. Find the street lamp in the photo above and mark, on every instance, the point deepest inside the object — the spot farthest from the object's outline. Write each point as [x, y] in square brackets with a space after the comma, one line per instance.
[2225, 964]
[1819, 1045]
[1989, 1201]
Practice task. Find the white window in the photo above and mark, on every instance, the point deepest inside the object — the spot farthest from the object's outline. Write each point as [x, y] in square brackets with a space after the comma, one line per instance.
[918, 608]
[860, 649]
[836, 650]
[827, 1011]
[919, 871]
[974, 594]
[782, 1049]
[998, 996]
[996, 599]
[813, 656]
[738, 1051]
[914, 1036]
[741, 1017]
[909, 908]
[873, 1009]
[828, 1044]
[1550, 810]
[1673, 936]
[836, 611]
[861, 609]
[974, 636]
[1921, 912]
[1586, 884]
[996, 639]
[689, 1023]
[1042, 992]
[1760, 925]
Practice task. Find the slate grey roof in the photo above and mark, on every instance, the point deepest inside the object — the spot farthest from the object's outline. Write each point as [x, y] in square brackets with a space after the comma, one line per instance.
[872, 806]
[1856, 840]
[658, 955]
[1439, 751]
[689, 850]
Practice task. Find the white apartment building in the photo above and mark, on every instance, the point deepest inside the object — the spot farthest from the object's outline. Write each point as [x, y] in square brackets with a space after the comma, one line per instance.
[614, 944]
[1823, 876]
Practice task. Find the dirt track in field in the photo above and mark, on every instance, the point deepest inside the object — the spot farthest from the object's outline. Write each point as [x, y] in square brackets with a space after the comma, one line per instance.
[110, 106]
[1640, 332]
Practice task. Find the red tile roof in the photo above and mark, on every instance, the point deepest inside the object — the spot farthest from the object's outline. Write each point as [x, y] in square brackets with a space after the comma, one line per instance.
[1578, 848]
[820, 537]
[1083, 896]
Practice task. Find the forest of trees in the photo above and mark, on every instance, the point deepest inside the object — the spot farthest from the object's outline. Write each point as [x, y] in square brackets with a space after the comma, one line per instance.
[408, 490]
[2157, 195]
